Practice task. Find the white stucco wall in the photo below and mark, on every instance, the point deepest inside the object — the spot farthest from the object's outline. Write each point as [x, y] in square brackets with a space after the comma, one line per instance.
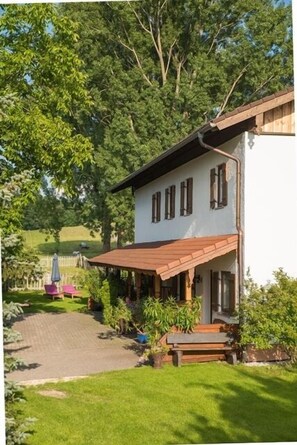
[203, 221]
[270, 205]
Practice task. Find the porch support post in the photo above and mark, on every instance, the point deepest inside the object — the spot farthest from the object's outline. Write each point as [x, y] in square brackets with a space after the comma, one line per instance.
[129, 280]
[157, 286]
[188, 284]
[137, 284]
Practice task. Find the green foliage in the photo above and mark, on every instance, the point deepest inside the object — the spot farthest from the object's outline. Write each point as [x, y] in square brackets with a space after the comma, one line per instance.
[92, 280]
[188, 315]
[17, 429]
[118, 316]
[105, 299]
[269, 314]
[161, 316]
[42, 74]
[156, 71]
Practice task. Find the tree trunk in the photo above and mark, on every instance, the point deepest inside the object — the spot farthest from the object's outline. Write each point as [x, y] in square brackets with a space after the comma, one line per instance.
[106, 235]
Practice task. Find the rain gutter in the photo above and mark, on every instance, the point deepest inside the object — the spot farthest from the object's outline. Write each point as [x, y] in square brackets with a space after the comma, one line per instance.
[200, 136]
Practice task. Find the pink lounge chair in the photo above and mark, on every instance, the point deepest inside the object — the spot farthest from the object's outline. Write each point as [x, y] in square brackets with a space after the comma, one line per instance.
[52, 291]
[70, 291]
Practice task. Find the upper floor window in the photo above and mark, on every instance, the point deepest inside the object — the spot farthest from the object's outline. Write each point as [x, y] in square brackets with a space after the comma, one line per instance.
[186, 197]
[218, 187]
[156, 207]
[170, 202]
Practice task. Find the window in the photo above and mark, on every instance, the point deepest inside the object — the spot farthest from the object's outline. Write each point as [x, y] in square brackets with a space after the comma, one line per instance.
[186, 197]
[223, 292]
[156, 207]
[218, 187]
[170, 202]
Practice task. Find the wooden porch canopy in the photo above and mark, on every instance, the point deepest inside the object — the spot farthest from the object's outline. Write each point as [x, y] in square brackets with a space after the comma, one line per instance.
[167, 258]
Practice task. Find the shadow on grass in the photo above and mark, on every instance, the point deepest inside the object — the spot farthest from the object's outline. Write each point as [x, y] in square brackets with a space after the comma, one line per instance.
[252, 408]
[68, 247]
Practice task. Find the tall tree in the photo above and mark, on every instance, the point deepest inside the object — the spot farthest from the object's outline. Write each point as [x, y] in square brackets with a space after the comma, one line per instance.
[41, 86]
[159, 68]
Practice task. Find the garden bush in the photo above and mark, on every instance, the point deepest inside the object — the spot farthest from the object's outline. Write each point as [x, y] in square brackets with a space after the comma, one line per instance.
[268, 314]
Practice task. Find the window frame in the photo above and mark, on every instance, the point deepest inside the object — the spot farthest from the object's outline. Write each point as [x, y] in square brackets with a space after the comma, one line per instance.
[156, 207]
[186, 197]
[218, 186]
[170, 202]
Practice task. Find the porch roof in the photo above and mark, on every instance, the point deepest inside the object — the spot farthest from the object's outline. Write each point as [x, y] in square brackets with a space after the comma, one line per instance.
[167, 258]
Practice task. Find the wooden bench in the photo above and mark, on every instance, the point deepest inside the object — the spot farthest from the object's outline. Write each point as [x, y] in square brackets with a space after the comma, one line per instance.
[205, 342]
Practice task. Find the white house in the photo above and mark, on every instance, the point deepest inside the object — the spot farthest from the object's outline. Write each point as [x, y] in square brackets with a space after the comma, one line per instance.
[220, 202]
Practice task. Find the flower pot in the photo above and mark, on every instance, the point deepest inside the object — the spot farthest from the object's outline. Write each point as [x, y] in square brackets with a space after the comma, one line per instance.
[142, 338]
[158, 360]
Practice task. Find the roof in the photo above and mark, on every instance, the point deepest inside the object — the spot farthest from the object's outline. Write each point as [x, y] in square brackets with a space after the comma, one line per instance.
[228, 125]
[167, 258]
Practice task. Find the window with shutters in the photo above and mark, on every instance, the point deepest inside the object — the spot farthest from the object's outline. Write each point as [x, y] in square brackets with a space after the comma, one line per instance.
[156, 207]
[223, 292]
[218, 187]
[170, 202]
[186, 197]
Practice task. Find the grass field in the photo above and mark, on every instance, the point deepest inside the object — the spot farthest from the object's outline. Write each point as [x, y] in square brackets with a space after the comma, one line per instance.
[40, 303]
[70, 239]
[204, 403]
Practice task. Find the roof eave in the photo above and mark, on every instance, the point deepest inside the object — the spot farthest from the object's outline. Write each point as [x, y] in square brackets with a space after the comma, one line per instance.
[128, 181]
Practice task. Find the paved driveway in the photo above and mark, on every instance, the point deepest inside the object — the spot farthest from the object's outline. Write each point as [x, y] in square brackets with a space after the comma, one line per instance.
[56, 346]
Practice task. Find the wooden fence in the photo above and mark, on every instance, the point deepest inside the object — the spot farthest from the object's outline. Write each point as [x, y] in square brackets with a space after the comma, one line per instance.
[29, 284]
[64, 261]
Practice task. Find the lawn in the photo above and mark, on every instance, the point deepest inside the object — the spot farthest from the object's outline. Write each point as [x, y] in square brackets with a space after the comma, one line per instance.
[40, 303]
[70, 239]
[203, 403]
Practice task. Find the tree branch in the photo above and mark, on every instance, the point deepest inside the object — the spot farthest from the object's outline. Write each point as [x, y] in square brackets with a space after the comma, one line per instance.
[132, 49]
[223, 106]
[156, 41]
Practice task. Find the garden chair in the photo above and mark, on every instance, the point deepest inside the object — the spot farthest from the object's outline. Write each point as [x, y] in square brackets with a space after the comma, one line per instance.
[52, 291]
[70, 291]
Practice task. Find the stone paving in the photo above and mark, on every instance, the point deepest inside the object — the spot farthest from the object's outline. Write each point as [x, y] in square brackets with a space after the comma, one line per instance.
[66, 345]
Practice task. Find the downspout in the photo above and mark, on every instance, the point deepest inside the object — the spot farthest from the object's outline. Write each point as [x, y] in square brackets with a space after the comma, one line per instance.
[200, 135]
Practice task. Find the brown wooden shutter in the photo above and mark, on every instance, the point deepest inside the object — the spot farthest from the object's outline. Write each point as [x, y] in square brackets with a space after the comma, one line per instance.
[182, 198]
[232, 293]
[213, 188]
[158, 206]
[172, 201]
[167, 204]
[154, 208]
[189, 196]
[215, 291]
[225, 186]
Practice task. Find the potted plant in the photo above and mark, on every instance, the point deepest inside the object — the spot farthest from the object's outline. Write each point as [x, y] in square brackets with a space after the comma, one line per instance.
[157, 352]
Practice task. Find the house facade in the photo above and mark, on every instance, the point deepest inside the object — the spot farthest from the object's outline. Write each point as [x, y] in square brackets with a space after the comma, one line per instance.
[220, 202]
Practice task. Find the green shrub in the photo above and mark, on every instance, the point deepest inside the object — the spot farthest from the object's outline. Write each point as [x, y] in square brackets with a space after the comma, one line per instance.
[92, 281]
[161, 316]
[269, 314]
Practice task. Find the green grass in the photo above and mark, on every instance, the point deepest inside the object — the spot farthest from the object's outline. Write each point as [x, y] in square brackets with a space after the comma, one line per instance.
[204, 403]
[70, 239]
[40, 303]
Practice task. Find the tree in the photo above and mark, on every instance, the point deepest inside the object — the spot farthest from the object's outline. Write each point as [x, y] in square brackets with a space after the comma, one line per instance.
[40, 87]
[42, 76]
[157, 70]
